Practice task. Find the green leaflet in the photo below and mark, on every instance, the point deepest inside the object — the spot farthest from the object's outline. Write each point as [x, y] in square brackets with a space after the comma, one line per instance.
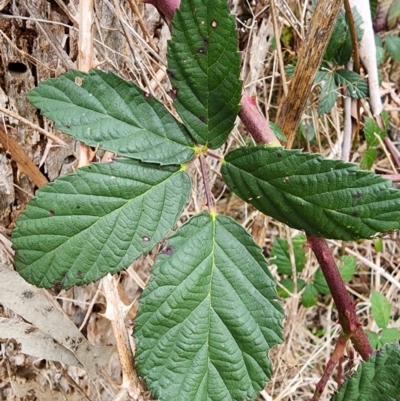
[97, 221]
[380, 308]
[208, 316]
[204, 67]
[376, 379]
[325, 198]
[329, 94]
[357, 88]
[114, 114]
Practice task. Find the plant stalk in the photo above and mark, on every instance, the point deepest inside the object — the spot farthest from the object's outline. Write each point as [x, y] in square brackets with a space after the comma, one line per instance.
[344, 304]
[335, 359]
[204, 173]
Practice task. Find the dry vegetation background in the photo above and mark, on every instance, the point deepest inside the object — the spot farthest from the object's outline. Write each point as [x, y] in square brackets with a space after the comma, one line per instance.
[54, 343]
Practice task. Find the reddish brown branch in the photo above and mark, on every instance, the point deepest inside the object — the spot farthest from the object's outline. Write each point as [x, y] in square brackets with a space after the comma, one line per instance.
[255, 122]
[335, 359]
[344, 304]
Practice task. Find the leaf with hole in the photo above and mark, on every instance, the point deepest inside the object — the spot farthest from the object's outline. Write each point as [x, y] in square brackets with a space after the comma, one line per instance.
[325, 198]
[204, 67]
[101, 109]
[209, 315]
[97, 221]
[376, 379]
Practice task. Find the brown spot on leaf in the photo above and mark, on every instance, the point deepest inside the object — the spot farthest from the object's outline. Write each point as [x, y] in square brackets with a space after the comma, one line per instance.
[52, 213]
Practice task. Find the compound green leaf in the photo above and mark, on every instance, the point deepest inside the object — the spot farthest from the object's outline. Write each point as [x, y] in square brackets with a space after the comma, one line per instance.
[376, 379]
[325, 198]
[97, 221]
[357, 88]
[101, 109]
[203, 67]
[208, 316]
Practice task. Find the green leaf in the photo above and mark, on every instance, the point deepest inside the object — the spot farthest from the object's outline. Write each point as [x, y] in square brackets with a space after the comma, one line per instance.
[393, 47]
[320, 283]
[394, 13]
[380, 52]
[373, 4]
[322, 75]
[209, 315]
[389, 335]
[373, 339]
[345, 51]
[378, 243]
[204, 67]
[289, 69]
[280, 253]
[97, 221]
[325, 198]
[101, 109]
[277, 131]
[376, 379]
[328, 95]
[371, 129]
[309, 296]
[368, 159]
[338, 37]
[357, 88]
[288, 287]
[347, 267]
[380, 308]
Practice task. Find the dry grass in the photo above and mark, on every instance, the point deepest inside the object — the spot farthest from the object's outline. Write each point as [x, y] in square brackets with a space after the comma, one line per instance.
[131, 41]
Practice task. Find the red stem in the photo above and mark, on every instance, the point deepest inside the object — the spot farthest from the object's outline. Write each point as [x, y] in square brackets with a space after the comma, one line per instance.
[255, 122]
[335, 359]
[344, 304]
